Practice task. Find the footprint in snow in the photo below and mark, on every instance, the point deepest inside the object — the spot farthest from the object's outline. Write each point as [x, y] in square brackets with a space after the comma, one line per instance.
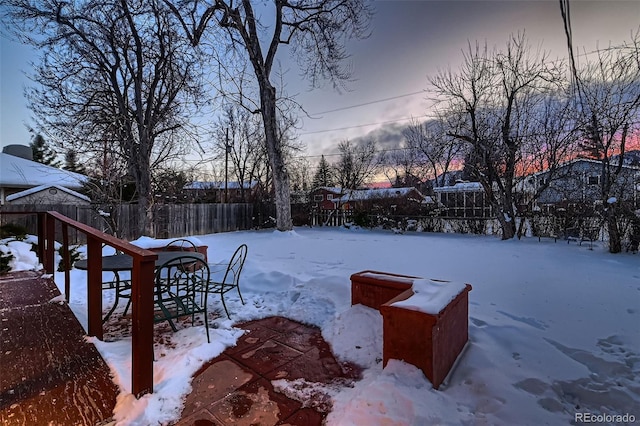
[529, 321]
[478, 322]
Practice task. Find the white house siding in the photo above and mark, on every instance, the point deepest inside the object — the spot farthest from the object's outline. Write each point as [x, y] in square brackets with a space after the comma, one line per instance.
[579, 182]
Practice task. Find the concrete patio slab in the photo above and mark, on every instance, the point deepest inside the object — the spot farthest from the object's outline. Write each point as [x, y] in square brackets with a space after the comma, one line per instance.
[236, 387]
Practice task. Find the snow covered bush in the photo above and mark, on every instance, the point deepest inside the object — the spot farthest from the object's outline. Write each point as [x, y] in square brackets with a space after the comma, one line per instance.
[17, 256]
[19, 253]
[5, 259]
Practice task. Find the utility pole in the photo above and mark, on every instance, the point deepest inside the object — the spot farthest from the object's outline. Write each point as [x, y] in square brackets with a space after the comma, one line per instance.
[226, 167]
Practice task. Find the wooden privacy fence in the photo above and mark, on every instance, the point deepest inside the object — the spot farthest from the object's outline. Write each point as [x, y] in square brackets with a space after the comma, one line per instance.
[174, 220]
[169, 220]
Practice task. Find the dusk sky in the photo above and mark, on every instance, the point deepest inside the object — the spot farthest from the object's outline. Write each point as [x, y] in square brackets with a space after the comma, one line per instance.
[410, 41]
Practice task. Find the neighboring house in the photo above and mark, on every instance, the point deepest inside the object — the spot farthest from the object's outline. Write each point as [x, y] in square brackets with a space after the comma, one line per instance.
[447, 179]
[389, 200]
[464, 199]
[577, 182]
[48, 194]
[406, 200]
[18, 174]
[214, 192]
[325, 197]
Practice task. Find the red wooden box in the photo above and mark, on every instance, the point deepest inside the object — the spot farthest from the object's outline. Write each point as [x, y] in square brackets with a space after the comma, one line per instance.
[373, 288]
[430, 342]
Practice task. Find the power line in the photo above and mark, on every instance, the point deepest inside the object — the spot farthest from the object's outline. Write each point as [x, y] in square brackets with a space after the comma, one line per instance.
[583, 54]
[364, 125]
[368, 103]
[335, 154]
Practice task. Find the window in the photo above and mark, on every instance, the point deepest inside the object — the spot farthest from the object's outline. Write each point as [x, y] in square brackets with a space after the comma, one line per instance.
[330, 197]
[317, 197]
[593, 180]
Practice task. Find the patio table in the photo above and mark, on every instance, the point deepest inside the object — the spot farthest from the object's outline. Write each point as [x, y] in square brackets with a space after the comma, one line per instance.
[117, 263]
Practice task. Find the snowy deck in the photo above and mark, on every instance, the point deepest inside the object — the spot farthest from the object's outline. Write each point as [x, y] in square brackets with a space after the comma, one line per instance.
[50, 373]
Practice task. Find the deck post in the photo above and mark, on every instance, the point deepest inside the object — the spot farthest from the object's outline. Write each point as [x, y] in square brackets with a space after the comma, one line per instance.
[50, 226]
[94, 287]
[65, 260]
[142, 326]
[42, 231]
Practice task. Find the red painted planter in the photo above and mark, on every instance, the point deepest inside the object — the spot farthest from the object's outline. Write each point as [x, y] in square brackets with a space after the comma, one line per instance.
[373, 288]
[430, 342]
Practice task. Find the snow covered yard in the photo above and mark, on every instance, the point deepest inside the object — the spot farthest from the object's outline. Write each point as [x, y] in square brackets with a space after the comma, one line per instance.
[553, 327]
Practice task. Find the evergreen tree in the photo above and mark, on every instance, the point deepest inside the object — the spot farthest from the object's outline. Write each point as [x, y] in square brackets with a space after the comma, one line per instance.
[42, 153]
[324, 174]
[71, 162]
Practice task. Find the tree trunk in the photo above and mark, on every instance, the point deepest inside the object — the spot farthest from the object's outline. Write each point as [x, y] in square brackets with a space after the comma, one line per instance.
[507, 223]
[274, 151]
[139, 164]
[502, 205]
[506, 214]
[615, 243]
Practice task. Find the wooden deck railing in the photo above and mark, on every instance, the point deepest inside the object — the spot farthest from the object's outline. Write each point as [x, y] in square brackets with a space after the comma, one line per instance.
[141, 294]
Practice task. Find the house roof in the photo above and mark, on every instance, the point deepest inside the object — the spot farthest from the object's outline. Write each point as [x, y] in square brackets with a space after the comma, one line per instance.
[460, 187]
[332, 189]
[584, 160]
[18, 172]
[377, 194]
[220, 185]
[37, 189]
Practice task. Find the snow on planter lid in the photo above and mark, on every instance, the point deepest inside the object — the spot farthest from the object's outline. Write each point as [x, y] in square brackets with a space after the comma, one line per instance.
[388, 277]
[430, 296]
[149, 242]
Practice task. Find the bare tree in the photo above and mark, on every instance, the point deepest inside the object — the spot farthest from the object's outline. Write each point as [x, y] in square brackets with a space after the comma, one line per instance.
[314, 31]
[107, 188]
[609, 111]
[357, 164]
[434, 147]
[403, 167]
[552, 142]
[492, 96]
[553, 136]
[115, 73]
[239, 143]
[300, 170]
[608, 95]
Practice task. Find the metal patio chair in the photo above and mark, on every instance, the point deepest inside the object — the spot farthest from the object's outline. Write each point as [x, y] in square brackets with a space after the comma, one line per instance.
[181, 286]
[231, 278]
[181, 244]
